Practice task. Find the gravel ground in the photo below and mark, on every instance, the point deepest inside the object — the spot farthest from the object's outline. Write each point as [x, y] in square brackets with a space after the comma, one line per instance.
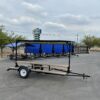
[53, 87]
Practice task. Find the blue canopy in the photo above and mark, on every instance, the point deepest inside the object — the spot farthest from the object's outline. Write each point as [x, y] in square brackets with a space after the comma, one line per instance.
[58, 48]
[47, 48]
[13, 45]
[32, 48]
[66, 48]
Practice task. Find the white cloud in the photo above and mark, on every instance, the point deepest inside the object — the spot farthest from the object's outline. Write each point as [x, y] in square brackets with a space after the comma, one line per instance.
[95, 17]
[3, 20]
[54, 25]
[51, 15]
[35, 9]
[74, 19]
[74, 24]
[24, 20]
[32, 7]
[45, 14]
[1, 15]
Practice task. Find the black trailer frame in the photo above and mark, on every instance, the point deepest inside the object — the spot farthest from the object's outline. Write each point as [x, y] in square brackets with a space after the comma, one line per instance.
[39, 66]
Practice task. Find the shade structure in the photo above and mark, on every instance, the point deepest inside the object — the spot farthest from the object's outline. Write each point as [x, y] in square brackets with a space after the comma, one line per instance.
[38, 48]
[13, 45]
[58, 48]
[33, 48]
[29, 49]
[66, 48]
[46, 48]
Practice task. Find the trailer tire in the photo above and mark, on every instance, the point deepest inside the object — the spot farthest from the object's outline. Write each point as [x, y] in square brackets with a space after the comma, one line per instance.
[23, 72]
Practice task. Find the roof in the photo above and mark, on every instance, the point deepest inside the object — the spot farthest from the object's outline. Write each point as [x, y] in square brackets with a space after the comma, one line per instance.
[13, 45]
[43, 41]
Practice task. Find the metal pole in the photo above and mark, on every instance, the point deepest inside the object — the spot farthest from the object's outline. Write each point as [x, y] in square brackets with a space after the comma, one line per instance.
[16, 65]
[69, 56]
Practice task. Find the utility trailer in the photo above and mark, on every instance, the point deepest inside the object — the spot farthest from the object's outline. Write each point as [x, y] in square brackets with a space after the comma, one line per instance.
[24, 67]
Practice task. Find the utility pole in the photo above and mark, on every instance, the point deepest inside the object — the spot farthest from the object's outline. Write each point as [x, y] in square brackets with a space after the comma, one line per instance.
[77, 38]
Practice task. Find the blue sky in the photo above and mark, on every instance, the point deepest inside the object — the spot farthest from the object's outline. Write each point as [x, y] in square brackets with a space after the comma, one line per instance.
[58, 19]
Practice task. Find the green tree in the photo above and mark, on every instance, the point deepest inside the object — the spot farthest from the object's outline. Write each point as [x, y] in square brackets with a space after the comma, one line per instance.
[91, 41]
[2, 39]
[5, 38]
[13, 37]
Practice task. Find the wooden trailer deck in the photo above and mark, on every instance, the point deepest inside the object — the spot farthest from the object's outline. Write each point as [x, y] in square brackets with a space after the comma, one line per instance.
[44, 67]
[36, 66]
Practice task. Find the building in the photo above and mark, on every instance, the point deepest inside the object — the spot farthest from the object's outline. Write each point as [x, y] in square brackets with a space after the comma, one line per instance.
[36, 33]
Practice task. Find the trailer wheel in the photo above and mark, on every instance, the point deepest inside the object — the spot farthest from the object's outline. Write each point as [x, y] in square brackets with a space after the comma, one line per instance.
[23, 72]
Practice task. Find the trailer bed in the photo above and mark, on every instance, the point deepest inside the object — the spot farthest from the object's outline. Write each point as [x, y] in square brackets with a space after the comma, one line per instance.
[40, 67]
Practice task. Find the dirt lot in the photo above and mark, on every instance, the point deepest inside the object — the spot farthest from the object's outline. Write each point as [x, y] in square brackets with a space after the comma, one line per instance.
[50, 87]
